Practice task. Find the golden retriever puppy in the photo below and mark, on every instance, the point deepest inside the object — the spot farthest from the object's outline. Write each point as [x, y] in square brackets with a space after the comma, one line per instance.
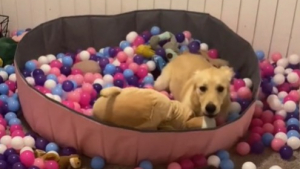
[198, 82]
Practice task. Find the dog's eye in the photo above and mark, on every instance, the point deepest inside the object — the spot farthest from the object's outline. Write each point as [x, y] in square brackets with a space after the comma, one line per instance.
[220, 89]
[202, 88]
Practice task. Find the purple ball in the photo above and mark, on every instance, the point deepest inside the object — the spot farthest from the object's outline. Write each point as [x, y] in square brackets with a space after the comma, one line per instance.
[112, 52]
[291, 115]
[37, 72]
[32, 134]
[146, 35]
[194, 47]
[40, 80]
[67, 151]
[4, 109]
[138, 59]
[180, 37]
[94, 58]
[133, 81]
[18, 165]
[257, 147]
[119, 83]
[118, 49]
[286, 152]
[26, 73]
[1, 80]
[66, 70]
[41, 143]
[103, 62]
[3, 164]
[244, 104]
[67, 85]
[2, 157]
[160, 52]
[9, 151]
[13, 158]
[97, 87]
[267, 88]
[293, 127]
[119, 69]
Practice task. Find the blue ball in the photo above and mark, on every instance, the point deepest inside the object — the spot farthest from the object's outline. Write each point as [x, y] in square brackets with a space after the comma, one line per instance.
[4, 88]
[52, 77]
[267, 139]
[293, 121]
[99, 54]
[19, 32]
[52, 147]
[15, 96]
[223, 154]
[10, 115]
[13, 105]
[292, 133]
[226, 164]
[57, 91]
[184, 48]
[124, 44]
[128, 73]
[232, 117]
[97, 163]
[106, 51]
[155, 30]
[145, 164]
[10, 69]
[108, 85]
[60, 55]
[148, 80]
[109, 69]
[14, 121]
[3, 98]
[75, 84]
[260, 55]
[30, 65]
[67, 61]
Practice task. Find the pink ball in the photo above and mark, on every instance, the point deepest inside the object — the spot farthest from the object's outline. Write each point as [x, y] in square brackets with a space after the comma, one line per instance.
[69, 104]
[258, 111]
[88, 112]
[297, 71]
[62, 78]
[78, 79]
[18, 133]
[27, 158]
[144, 66]
[213, 53]
[287, 98]
[76, 71]
[11, 85]
[294, 94]
[256, 122]
[91, 50]
[244, 93]
[56, 63]
[174, 165]
[70, 77]
[238, 83]
[51, 164]
[268, 70]
[88, 88]
[78, 90]
[97, 76]
[277, 117]
[89, 78]
[124, 66]
[267, 116]
[73, 96]
[279, 123]
[3, 122]
[138, 41]
[94, 94]
[142, 72]
[258, 130]
[254, 137]
[186, 164]
[2, 133]
[284, 87]
[35, 62]
[119, 76]
[39, 162]
[199, 160]
[85, 99]
[231, 88]
[268, 128]
[129, 60]
[279, 129]
[111, 60]
[276, 56]
[243, 148]
[2, 128]
[134, 67]
[277, 143]
[76, 106]
[45, 90]
[54, 71]
[10, 93]
[187, 34]
[233, 95]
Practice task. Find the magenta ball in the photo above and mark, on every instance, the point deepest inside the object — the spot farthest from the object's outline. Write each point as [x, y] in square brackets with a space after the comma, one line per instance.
[174, 165]
[199, 160]
[238, 83]
[142, 72]
[186, 164]
[138, 41]
[56, 63]
[27, 158]
[85, 99]
[51, 164]
[213, 53]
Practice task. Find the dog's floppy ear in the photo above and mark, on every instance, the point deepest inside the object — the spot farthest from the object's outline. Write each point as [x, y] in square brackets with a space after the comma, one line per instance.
[228, 72]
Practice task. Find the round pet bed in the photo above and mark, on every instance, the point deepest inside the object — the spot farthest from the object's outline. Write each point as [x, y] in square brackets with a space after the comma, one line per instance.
[56, 122]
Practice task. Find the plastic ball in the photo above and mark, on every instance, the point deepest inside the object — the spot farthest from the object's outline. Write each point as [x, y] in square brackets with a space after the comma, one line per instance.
[29, 141]
[173, 165]
[17, 143]
[226, 164]
[293, 59]
[267, 139]
[97, 163]
[2, 148]
[243, 148]
[279, 79]
[235, 107]
[292, 77]
[289, 106]
[282, 62]
[293, 121]
[124, 44]
[213, 53]
[292, 133]
[131, 36]
[276, 144]
[203, 47]
[27, 158]
[257, 147]
[260, 55]
[249, 165]
[293, 127]
[110, 69]
[108, 79]
[180, 37]
[13, 158]
[26, 148]
[199, 160]
[51, 164]
[3, 164]
[155, 30]
[5, 140]
[223, 154]
[286, 152]
[52, 147]
[41, 143]
[186, 164]
[214, 160]
[281, 136]
[84, 55]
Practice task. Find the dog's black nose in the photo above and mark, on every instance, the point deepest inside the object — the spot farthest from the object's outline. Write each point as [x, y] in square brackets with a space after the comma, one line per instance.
[210, 108]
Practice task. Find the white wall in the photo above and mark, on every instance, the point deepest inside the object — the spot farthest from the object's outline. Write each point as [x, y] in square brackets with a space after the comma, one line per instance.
[270, 25]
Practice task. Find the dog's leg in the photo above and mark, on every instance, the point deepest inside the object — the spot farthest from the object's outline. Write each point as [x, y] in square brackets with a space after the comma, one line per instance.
[163, 80]
[194, 123]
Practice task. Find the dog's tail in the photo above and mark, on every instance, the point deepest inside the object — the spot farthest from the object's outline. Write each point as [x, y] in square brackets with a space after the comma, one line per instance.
[111, 91]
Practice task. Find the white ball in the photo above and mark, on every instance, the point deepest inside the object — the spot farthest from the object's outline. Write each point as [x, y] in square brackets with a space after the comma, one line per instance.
[4, 75]
[57, 98]
[214, 160]
[60, 60]
[150, 74]
[12, 77]
[282, 94]
[84, 55]
[249, 165]
[26, 148]
[294, 59]
[279, 70]
[276, 105]
[278, 79]
[116, 62]
[17, 143]
[29, 141]
[108, 79]
[235, 107]
[131, 36]
[101, 50]
[283, 62]
[289, 106]
[129, 51]
[99, 81]
[288, 70]
[248, 82]
[271, 98]
[294, 142]
[30, 80]
[275, 167]
[43, 60]
[151, 65]
[6, 140]
[45, 68]
[282, 136]
[292, 77]
[50, 58]
[49, 95]
[2, 148]
[204, 47]
[281, 113]
[185, 42]
[259, 103]
[50, 84]
[275, 90]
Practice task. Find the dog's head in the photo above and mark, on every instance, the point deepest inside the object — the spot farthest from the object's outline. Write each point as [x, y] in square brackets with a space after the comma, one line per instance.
[211, 90]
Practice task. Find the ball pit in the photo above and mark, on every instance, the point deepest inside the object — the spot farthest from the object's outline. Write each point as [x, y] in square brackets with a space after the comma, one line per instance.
[57, 120]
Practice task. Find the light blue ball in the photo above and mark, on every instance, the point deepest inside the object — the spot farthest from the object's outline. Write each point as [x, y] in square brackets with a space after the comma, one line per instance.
[57, 91]
[30, 65]
[106, 51]
[155, 30]
[109, 69]
[60, 55]
[99, 54]
[292, 133]
[10, 115]
[52, 77]
[14, 121]
[183, 48]
[226, 164]
[52, 147]
[108, 85]
[124, 44]
[232, 117]
[148, 80]
[97, 163]
[145, 164]
[260, 55]
[293, 121]
[267, 139]
[4, 88]
[15, 96]
[223, 154]
[67, 61]
[128, 73]
[10, 69]
[75, 84]
[13, 104]
[59, 85]
[3, 98]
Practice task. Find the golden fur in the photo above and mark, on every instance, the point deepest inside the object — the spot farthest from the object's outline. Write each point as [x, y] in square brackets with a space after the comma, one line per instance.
[197, 81]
